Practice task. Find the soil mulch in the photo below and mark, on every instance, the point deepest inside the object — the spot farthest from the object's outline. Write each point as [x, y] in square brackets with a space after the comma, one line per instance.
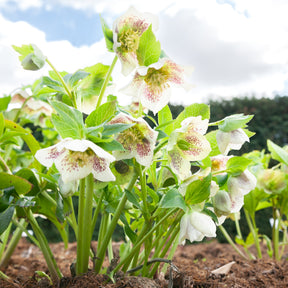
[195, 264]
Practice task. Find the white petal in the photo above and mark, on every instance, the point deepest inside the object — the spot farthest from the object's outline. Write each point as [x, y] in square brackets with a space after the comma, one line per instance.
[179, 165]
[47, 156]
[196, 124]
[101, 170]
[223, 141]
[237, 203]
[203, 223]
[183, 229]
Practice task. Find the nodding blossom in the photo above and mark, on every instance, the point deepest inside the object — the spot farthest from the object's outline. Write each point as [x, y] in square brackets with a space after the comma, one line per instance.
[152, 85]
[232, 140]
[76, 159]
[186, 144]
[127, 30]
[138, 141]
[194, 226]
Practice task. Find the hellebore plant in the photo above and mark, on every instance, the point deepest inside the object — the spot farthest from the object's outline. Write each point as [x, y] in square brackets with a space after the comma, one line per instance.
[162, 183]
[269, 193]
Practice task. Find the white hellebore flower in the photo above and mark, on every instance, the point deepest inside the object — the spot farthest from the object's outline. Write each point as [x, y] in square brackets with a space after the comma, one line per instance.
[186, 144]
[238, 187]
[195, 226]
[152, 85]
[76, 159]
[138, 141]
[232, 140]
[127, 30]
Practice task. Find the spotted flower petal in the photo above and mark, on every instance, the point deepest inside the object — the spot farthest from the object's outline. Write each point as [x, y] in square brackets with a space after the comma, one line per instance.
[138, 141]
[127, 30]
[76, 159]
[186, 144]
[152, 85]
[195, 226]
[232, 140]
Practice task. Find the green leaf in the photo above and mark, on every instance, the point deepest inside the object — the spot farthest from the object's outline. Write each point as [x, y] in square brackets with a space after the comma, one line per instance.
[234, 122]
[73, 79]
[4, 102]
[102, 114]
[193, 110]
[211, 137]
[91, 85]
[132, 198]
[108, 35]
[53, 84]
[31, 57]
[27, 174]
[2, 124]
[277, 152]
[22, 186]
[115, 128]
[236, 165]
[69, 122]
[149, 49]
[5, 218]
[165, 120]
[173, 199]
[198, 190]
[111, 146]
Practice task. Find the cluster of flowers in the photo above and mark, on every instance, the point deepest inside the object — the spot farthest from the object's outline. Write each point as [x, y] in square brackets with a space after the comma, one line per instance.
[151, 87]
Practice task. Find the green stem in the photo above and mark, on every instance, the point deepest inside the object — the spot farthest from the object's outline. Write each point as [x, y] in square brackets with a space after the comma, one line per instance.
[103, 246]
[84, 224]
[12, 244]
[275, 233]
[254, 234]
[23, 229]
[239, 233]
[138, 244]
[97, 210]
[50, 260]
[106, 81]
[72, 218]
[230, 241]
[172, 250]
[63, 83]
[146, 213]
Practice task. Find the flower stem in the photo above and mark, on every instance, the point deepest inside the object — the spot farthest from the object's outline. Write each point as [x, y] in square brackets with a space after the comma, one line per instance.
[103, 246]
[69, 93]
[128, 257]
[254, 234]
[50, 260]
[275, 233]
[84, 224]
[230, 241]
[106, 81]
[12, 244]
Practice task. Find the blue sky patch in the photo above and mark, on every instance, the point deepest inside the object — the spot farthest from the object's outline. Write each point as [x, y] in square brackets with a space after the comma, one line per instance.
[60, 23]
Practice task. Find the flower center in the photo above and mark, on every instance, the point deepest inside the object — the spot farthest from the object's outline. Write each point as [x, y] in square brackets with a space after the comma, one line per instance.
[157, 79]
[81, 158]
[129, 40]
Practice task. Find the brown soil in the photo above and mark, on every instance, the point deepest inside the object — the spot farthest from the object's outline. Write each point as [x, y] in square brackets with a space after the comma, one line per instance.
[195, 264]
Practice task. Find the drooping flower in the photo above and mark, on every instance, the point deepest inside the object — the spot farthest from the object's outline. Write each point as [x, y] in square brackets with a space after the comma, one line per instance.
[127, 31]
[138, 141]
[238, 187]
[76, 159]
[272, 181]
[232, 140]
[152, 85]
[195, 226]
[222, 203]
[186, 144]
[32, 105]
[219, 162]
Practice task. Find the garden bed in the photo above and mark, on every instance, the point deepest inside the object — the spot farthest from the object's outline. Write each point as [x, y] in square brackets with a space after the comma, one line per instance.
[195, 264]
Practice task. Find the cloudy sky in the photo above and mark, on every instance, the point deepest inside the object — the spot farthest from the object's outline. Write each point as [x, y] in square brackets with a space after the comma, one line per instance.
[236, 47]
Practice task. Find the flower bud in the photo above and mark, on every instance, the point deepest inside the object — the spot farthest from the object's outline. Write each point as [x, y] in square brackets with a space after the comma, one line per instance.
[222, 203]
